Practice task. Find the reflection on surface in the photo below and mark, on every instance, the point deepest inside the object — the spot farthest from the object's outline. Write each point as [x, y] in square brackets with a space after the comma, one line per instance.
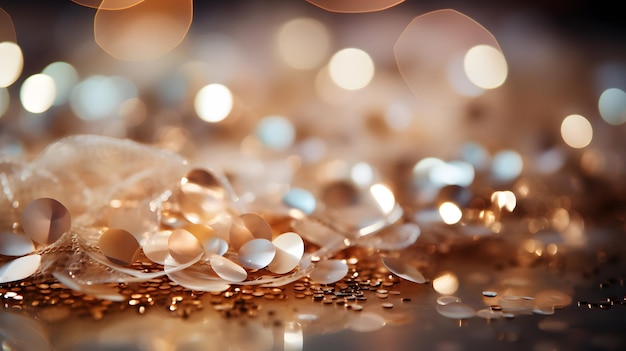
[486, 292]
[403, 180]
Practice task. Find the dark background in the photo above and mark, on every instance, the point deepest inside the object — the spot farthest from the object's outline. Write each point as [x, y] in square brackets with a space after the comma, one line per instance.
[38, 22]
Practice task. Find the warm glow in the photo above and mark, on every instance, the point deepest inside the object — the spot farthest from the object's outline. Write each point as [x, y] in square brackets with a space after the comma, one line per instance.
[11, 63]
[450, 213]
[384, 197]
[576, 131]
[485, 66]
[430, 54]
[213, 103]
[504, 200]
[303, 43]
[108, 4]
[293, 337]
[612, 106]
[446, 283]
[144, 31]
[37, 93]
[351, 69]
[354, 6]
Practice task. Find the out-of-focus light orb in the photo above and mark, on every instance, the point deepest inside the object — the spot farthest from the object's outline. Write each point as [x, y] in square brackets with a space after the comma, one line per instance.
[576, 131]
[11, 63]
[99, 97]
[450, 213]
[276, 132]
[430, 54]
[485, 66]
[422, 169]
[4, 101]
[384, 197]
[398, 116]
[504, 199]
[362, 174]
[351, 68]
[303, 43]
[612, 106]
[300, 199]
[354, 6]
[446, 283]
[65, 79]
[108, 4]
[293, 338]
[507, 165]
[37, 93]
[145, 31]
[475, 154]
[459, 173]
[213, 103]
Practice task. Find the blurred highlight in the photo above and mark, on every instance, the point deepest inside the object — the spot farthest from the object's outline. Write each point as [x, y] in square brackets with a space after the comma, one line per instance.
[351, 68]
[576, 131]
[303, 43]
[213, 103]
[11, 63]
[612, 106]
[439, 52]
[108, 4]
[145, 31]
[355, 6]
[38, 93]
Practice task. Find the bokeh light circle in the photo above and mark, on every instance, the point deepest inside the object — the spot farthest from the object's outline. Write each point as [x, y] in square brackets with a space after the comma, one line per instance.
[485, 66]
[213, 103]
[276, 132]
[576, 131]
[303, 43]
[11, 63]
[612, 106]
[37, 93]
[351, 68]
[65, 79]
